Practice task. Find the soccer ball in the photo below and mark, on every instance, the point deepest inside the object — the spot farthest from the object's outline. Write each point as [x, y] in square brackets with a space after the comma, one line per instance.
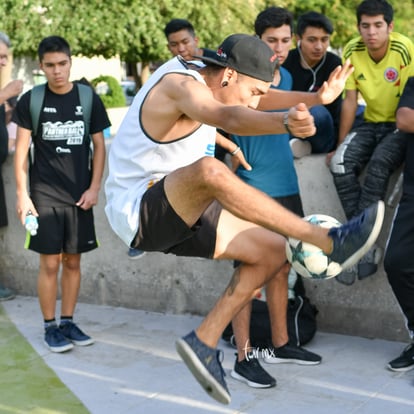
[308, 260]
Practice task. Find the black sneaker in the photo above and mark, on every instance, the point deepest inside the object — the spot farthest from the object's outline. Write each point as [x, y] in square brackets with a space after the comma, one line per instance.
[252, 373]
[354, 238]
[405, 361]
[55, 340]
[74, 334]
[204, 363]
[348, 276]
[291, 353]
[368, 265]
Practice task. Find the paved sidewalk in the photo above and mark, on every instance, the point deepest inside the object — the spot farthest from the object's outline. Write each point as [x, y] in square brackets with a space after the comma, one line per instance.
[133, 368]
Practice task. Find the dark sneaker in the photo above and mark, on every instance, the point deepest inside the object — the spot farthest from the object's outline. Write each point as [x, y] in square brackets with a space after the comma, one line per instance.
[55, 340]
[368, 265]
[252, 373]
[74, 334]
[291, 353]
[348, 276]
[405, 361]
[354, 238]
[135, 253]
[5, 293]
[204, 363]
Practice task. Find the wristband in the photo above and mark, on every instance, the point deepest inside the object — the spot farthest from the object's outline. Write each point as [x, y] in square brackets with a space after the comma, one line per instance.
[286, 122]
[235, 151]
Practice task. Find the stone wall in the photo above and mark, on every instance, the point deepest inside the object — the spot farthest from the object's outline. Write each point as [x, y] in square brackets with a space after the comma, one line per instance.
[165, 283]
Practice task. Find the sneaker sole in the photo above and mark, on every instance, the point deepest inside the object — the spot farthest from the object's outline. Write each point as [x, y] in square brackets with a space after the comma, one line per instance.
[4, 298]
[252, 384]
[405, 369]
[136, 257]
[201, 374]
[371, 239]
[290, 361]
[59, 349]
[82, 343]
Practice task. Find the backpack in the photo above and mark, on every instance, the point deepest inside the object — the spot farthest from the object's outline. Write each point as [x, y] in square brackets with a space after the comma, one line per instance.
[37, 96]
[301, 320]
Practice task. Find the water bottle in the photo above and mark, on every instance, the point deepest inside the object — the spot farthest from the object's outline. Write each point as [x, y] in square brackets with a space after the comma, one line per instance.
[31, 224]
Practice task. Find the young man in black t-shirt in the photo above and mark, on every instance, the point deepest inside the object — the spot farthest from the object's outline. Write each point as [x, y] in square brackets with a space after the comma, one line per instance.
[64, 186]
[310, 65]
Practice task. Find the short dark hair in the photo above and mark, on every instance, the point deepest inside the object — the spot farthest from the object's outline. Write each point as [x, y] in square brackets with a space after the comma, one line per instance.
[272, 17]
[313, 19]
[374, 8]
[5, 39]
[53, 44]
[175, 25]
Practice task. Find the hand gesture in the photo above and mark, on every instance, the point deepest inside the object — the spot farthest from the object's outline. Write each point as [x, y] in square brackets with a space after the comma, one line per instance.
[300, 122]
[237, 160]
[335, 84]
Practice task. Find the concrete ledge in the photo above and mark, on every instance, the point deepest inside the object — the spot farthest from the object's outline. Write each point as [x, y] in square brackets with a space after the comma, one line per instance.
[165, 283]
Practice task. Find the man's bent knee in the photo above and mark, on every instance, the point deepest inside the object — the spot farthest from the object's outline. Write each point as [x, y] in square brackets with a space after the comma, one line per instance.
[211, 170]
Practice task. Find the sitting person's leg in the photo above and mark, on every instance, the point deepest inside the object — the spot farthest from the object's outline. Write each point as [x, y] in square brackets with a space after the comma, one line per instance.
[323, 141]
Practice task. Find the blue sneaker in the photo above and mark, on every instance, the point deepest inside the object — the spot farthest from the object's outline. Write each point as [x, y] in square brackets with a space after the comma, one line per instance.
[204, 363]
[5, 293]
[72, 333]
[353, 239]
[55, 340]
[135, 253]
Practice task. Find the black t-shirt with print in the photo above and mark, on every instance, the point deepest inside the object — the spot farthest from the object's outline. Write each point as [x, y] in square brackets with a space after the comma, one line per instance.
[61, 169]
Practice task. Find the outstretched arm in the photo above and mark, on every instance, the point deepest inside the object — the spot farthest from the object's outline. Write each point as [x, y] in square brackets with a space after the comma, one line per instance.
[329, 91]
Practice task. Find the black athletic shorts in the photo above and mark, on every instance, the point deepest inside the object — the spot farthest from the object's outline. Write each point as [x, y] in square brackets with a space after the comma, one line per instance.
[162, 230]
[66, 229]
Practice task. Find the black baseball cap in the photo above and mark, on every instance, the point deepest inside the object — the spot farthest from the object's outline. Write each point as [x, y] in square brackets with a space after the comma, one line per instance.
[245, 54]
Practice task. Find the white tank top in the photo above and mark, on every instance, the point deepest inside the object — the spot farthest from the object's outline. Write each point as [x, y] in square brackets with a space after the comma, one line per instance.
[136, 161]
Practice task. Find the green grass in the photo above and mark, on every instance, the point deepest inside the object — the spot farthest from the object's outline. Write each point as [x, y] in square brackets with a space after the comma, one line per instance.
[27, 384]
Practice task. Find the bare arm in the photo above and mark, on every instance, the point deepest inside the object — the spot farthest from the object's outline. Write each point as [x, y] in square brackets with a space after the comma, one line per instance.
[90, 197]
[13, 88]
[404, 118]
[23, 201]
[237, 156]
[196, 101]
[330, 90]
[348, 111]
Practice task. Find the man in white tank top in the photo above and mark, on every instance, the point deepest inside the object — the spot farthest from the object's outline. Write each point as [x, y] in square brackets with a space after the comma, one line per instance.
[166, 192]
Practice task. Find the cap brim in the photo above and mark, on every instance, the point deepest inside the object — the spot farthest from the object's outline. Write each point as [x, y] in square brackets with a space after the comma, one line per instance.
[212, 61]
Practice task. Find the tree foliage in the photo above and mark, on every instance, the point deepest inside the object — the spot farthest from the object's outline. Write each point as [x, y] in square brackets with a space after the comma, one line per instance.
[342, 13]
[133, 29]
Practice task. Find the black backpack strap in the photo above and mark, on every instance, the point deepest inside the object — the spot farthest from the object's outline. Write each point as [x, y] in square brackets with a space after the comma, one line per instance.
[86, 100]
[37, 95]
